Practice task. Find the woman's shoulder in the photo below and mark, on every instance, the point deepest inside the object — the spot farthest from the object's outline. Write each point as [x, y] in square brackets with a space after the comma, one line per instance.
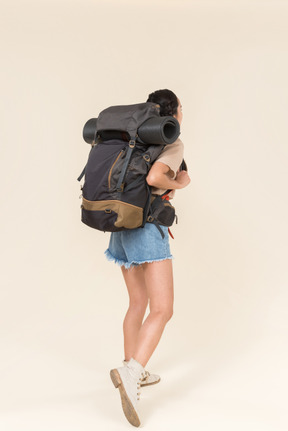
[172, 150]
[176, 144]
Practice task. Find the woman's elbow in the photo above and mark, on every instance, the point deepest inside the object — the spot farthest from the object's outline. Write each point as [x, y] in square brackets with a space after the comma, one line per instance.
[151, 179]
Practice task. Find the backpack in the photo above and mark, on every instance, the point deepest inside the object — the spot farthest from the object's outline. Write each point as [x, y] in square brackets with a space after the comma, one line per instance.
[125, 141]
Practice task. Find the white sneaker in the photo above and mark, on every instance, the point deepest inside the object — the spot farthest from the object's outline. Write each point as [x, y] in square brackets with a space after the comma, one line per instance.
[128, 379]
[148, 379]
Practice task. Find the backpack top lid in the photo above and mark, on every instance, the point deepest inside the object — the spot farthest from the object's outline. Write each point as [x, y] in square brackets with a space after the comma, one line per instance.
[127, 118]
[140, 122]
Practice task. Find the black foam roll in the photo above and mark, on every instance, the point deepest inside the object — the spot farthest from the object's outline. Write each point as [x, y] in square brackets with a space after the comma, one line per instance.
[90, 131]
[159, 130]
[156, 130]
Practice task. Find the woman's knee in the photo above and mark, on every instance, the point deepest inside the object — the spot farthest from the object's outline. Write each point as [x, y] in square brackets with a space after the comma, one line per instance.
[138, 306]
[169, 314]
[163, 313]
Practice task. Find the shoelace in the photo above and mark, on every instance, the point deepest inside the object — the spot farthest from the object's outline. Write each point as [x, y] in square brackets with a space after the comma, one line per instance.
[146, 375]
[138, 384]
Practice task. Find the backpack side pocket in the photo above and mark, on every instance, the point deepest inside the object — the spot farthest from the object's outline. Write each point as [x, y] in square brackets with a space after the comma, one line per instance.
[162, 212]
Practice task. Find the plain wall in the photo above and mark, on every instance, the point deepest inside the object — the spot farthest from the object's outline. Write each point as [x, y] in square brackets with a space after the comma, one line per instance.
[62, 63]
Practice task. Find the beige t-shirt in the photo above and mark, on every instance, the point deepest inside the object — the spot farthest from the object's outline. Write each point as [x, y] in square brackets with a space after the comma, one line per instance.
[172, 156]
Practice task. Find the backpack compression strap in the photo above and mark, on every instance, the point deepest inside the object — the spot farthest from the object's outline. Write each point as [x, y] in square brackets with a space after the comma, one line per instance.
[83, 172]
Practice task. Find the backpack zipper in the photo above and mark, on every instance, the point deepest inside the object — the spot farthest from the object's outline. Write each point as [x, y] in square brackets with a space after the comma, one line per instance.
[111, 169]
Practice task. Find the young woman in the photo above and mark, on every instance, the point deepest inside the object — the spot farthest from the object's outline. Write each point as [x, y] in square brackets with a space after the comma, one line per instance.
[146, 265]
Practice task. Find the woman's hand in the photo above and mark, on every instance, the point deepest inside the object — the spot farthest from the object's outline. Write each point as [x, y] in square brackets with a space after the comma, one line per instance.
[160, 176]
[182, 179]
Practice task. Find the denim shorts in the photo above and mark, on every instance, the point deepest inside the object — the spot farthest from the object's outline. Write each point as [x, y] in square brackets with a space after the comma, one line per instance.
[136, 246]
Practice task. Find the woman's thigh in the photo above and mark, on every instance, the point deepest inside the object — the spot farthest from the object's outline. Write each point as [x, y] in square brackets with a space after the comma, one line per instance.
[158, 278]
[136, 286]
[153, 281]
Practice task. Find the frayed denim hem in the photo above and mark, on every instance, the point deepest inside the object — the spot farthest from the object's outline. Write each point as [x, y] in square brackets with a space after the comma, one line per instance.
[114, 259]
[128, 265]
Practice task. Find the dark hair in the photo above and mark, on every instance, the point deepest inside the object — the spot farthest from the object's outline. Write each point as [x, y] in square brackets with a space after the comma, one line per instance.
[168, 106]
[166, 99]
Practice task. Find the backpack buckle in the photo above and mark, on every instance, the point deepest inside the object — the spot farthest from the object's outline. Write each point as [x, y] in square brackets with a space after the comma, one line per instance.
[146, 157]
[121, 188]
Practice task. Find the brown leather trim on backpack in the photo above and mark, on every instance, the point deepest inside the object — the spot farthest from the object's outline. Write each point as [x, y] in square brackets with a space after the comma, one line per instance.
[114, 163]
[129, 216]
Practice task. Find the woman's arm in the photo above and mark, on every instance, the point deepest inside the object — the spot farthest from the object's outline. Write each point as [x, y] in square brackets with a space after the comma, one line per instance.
[161, 177]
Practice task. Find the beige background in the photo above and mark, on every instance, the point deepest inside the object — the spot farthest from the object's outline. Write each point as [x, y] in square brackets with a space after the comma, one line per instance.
[223, 357]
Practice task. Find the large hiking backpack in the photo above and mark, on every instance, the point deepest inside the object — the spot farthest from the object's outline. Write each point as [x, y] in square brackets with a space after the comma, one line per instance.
[125, 140]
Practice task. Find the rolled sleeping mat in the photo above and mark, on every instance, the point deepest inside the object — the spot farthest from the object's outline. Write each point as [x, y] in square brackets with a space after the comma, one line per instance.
[156, 130]
[159, 130]
[90, 131]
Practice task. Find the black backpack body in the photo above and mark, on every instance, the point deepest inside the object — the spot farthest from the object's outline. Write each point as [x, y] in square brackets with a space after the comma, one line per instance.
[125, 140]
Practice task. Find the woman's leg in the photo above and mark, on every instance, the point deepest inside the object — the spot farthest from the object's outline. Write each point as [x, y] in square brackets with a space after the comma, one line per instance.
[138, 300]
[158, 278]
[154, 281]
